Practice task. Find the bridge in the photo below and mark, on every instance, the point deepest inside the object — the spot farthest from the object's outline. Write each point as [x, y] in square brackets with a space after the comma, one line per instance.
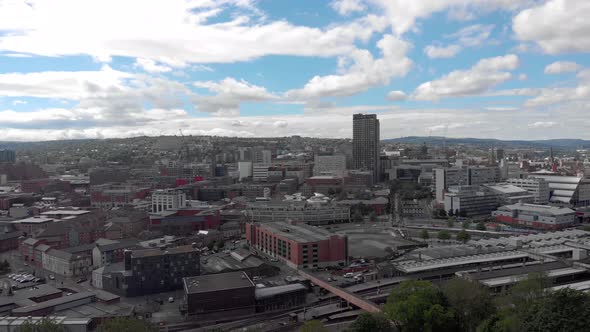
[342, 293]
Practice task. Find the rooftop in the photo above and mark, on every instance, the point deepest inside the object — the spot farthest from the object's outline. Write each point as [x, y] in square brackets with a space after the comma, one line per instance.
[62, 212]
[217, 282]
[300, 233]
[33, 220]
[272, 291]
[542, 209]
[159, 252]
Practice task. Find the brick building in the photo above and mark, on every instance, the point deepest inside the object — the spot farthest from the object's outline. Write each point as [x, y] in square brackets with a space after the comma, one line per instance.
[299, 245]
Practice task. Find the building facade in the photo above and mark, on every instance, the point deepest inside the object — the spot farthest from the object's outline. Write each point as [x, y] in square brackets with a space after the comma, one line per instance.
[536, 186]
[470, 201]
[298, 245]
[164, 200]
[300, 212]
[366, 143]
[536, 216]
[329, 165]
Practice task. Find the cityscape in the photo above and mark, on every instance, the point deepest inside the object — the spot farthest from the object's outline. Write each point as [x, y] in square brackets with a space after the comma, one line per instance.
[313, 166]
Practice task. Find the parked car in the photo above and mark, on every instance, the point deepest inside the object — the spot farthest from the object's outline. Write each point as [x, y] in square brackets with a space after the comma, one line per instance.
[51, 277]
[348, 275]
[81, 280]
[256, 278]
[170, 299]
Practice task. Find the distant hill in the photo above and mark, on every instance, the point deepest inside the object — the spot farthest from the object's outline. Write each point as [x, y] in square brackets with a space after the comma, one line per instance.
[564, 143]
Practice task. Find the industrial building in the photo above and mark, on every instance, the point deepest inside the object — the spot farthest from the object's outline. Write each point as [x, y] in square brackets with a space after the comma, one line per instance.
[298, 245]
[570, 191]
[536, 216]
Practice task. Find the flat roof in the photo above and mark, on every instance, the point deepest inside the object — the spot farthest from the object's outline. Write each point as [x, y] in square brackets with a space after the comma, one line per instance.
[33, 220]
[300, 233]
[580, 286]
[158, 251]
[507, 280]
[60, 212]
[53, 302]
[265, 292]
[216, 282]
[543, 209]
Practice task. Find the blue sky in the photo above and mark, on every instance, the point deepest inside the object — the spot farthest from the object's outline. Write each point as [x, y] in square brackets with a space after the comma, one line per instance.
[462, 68]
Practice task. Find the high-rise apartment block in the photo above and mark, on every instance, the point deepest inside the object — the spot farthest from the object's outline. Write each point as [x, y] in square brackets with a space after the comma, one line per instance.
[365, 143]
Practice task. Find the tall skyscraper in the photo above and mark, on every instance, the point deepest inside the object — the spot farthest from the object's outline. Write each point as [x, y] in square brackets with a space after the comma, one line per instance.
[7, 156]
[365, 143]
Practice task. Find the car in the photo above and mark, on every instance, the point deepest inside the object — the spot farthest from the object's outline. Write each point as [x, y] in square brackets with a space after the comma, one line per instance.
[257, 278]
[22, 280]
[81, 280]
[11, 275]
[51, 277]
[25, 264]
[348, 275]
[170, 299]
[159, 301]
[68, 294]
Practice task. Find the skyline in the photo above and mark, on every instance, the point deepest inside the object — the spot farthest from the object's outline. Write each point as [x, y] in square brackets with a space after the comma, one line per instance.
[455, 68]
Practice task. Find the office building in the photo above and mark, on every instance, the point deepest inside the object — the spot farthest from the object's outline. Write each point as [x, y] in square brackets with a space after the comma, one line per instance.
[366, 143]
[538, 187]
[244, 169]
[262, 156]
[536, 216]
[463, 176]
[298, 245]
[165, 200]
[470, 201]
[509, 194]
[150, 271]
[7, 156]
[329, 165]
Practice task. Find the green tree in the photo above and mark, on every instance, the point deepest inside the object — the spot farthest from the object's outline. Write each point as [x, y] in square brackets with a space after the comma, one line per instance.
[471, 301]
[419, 306]
[463, 236]
[466, 224]
[367, 322]
[529, 290]
[313, 326]
[127, 324]
[43, 325]
[561, 311]
[480, 226]
[444, 235]
[424, 234]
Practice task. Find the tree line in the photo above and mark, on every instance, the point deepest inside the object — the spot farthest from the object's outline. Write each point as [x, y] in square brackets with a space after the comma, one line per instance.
[464, 305]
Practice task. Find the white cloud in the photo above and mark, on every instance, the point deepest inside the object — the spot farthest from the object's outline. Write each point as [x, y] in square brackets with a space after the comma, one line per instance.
[403, 14]
[151, 66]
[280, 124]
[486, 74]
[331, 108]
[560, 67]
[61, 84]
[345, 7]
[557, 26]
[19, 102]
[522, 77]
[473, 35]
[365, 72]
[396, 95]
[229, 93]
[449, 51]
[542, 124]
[173, 34]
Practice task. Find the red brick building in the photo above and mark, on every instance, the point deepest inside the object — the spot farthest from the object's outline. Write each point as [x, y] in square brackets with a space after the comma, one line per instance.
[299, 245]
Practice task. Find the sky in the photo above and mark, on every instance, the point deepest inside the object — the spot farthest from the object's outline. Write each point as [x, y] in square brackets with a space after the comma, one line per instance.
[506, 69]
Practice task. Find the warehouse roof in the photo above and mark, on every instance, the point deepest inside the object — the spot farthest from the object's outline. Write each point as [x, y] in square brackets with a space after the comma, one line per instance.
[540, 209]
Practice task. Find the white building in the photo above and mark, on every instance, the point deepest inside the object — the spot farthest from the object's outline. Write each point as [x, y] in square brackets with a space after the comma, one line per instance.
[510, 194]
[164, 200]
[463, 176]
[537, 216]
[536, 186]
[470, 201]
[260, 172]
[244, 169]
[329, 165]
[569, 191]
[66, 264]
[262, 156]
